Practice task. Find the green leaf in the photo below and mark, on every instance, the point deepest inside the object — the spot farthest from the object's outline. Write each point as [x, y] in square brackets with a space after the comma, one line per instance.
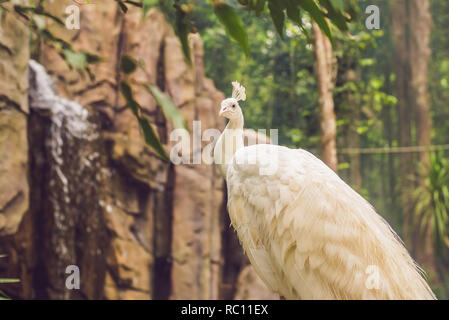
[58, 42]
[133, 3]
[126, 91]
[317, 15]
[49, 15]
[362, 130]
[350, 7]
[3, 295]
[182, 30]
[339, 4]
[75, 59]
[183, 35]
[343, 166]
[259, 7]
[122, 6]
[254, 5]
[293, 12]
[167, 106]
[8, 280]
[232, 24]
[128, 64]
[277, 15]
[92, 58]
[150, 136]
[39, 11]
[335, 15]
[39, 21]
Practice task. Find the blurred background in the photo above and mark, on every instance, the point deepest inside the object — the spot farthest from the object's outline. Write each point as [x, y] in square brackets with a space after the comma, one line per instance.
[85, 133]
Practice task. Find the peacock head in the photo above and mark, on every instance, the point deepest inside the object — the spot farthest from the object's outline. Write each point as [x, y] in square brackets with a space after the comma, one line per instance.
[230, 107]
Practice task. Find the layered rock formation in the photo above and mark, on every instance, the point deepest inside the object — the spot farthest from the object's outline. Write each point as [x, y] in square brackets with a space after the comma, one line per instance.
[14, 55]
[136, 226]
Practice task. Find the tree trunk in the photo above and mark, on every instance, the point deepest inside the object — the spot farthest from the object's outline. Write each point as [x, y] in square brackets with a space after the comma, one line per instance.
[353, 135]
[398, 26]
[419, 39]
[325, 75]
[411, 26]
[388, 116]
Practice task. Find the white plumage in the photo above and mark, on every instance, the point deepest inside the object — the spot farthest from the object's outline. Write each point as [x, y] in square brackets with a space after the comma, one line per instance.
[306, 232]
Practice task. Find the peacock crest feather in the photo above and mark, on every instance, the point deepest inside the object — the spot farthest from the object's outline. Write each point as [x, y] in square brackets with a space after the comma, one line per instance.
[238, 91]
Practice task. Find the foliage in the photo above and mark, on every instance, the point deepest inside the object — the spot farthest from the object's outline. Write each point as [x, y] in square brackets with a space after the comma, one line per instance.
[338, 12]
[179, 13]
[281, 85]
[148, 132]
[35, 15]
[232, 24]
[128, 65]
[279, 77]
[280, 81]
[432, 202]
[3, 296]
[432, 209]
[439, 71]
[167, 106]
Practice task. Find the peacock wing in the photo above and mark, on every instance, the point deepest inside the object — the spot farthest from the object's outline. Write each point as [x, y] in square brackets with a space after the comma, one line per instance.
[309, 235]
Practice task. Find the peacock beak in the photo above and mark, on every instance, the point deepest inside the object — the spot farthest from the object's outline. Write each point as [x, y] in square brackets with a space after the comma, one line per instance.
[222, 111]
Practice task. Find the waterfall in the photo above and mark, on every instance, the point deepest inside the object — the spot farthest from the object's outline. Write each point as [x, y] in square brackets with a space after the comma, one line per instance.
[66, 149]
[66, 117]
[43, 93]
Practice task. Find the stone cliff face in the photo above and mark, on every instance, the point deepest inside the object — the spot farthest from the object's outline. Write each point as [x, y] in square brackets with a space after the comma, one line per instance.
[14, 189]
[137, 227]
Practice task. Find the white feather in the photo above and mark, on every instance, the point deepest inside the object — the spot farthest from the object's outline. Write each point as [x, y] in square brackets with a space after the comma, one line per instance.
[324, 237]
[305, 231]
[238, 91]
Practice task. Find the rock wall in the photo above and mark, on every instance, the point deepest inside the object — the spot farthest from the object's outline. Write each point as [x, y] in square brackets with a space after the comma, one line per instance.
[137, 227]
[14, 55]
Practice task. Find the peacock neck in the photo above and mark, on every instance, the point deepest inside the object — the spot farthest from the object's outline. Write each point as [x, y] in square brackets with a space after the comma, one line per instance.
[227, 145]
[235, 124]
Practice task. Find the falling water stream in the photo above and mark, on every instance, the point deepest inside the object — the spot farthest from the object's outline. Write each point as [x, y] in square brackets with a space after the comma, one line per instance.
[67, 117]
[69, 162]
